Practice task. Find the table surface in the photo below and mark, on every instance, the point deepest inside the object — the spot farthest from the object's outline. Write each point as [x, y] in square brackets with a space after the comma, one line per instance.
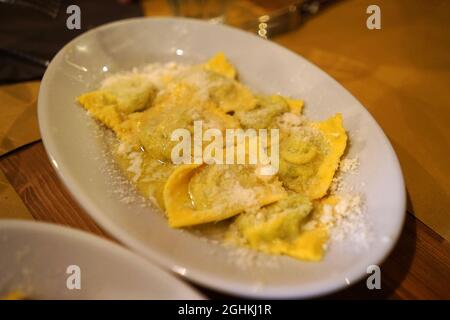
[418, 267]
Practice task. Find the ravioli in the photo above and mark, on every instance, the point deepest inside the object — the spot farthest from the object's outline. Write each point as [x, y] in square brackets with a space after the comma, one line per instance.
[103, 107]
[309, 156]
[264, 113]
[178, 108]
[196, 194]
[277, 229]
[279, 221]
[115, 106]
[132, 93]
[230, 95]
[278, 214]
[153, 178]
[118, 98]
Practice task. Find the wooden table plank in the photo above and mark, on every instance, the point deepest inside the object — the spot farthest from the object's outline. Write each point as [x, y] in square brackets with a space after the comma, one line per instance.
[30, 173]
[418, 267]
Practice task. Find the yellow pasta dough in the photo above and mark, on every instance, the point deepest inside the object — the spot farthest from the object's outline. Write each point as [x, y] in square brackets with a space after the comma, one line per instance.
[310, 156]
[196, 194]
[178, 109]
[277, 229]
[103, 107]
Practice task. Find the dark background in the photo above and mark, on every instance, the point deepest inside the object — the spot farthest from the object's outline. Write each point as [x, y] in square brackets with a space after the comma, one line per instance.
[32, 32]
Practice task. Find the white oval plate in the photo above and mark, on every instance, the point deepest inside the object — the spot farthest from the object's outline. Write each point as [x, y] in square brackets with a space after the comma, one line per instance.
[76, 154]
[35, 256]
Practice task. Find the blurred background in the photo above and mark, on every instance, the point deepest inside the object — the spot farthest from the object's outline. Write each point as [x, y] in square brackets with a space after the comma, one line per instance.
[32, 31]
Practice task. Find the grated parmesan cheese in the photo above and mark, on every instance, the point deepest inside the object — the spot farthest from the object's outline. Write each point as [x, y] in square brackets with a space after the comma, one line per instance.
[289, 120]
[349, 165]
[135, 165]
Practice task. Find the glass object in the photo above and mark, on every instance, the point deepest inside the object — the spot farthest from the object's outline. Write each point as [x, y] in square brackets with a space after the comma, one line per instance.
[213, 10]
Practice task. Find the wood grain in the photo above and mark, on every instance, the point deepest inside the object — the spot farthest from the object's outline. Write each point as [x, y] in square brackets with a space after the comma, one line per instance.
[30, 173]
[418, 267]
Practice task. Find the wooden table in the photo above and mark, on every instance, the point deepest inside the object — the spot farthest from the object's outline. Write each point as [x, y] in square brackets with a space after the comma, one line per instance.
[418, 267]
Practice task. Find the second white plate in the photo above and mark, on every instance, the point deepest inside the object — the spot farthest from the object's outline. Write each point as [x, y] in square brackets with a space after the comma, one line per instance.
[47, 261]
